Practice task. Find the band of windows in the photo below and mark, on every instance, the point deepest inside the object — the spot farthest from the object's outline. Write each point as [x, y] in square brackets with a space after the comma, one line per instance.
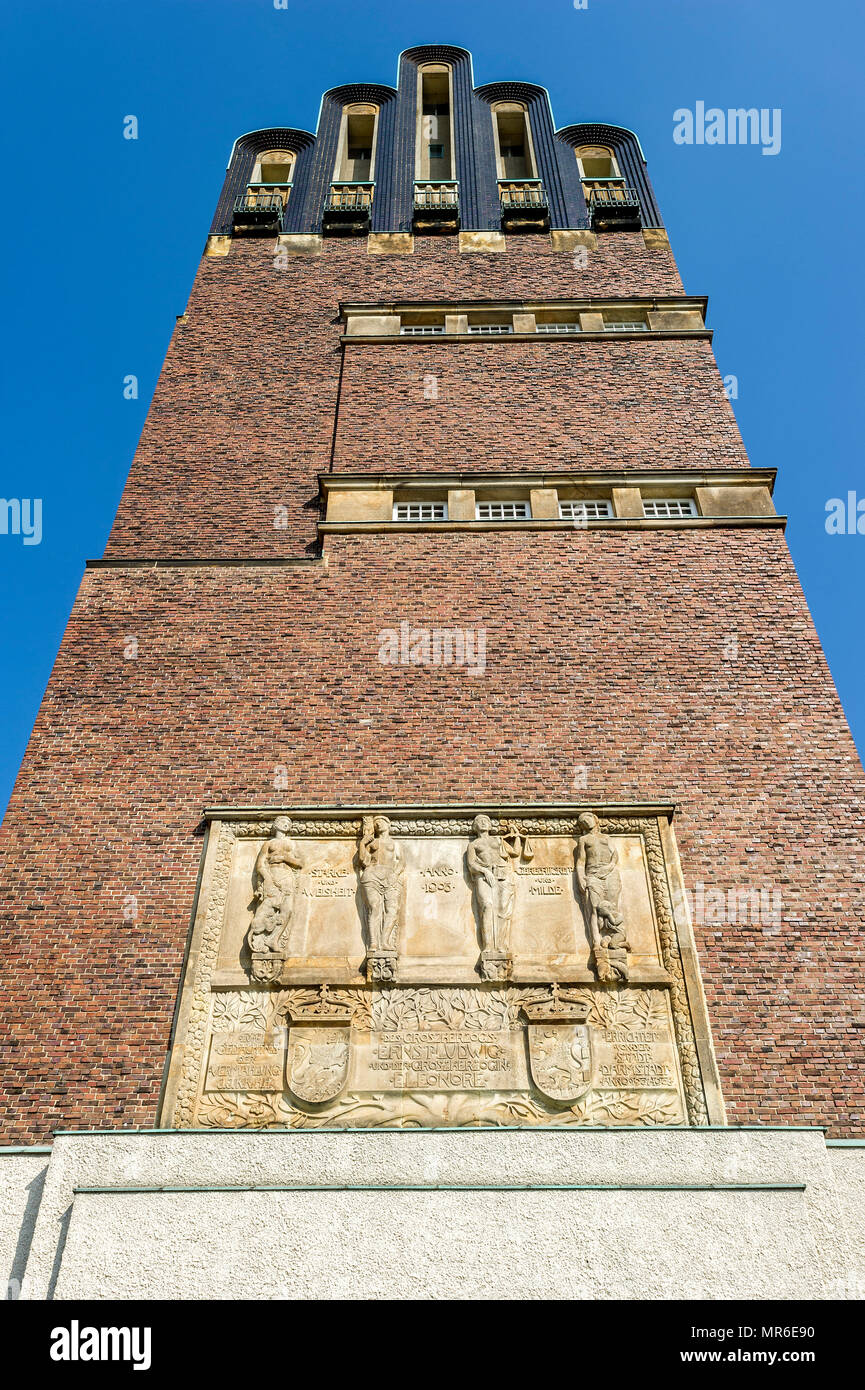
[586, 509]
[679, 316]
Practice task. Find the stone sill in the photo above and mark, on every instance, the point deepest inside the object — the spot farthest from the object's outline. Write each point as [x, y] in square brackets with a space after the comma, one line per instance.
[138, 1131]
[425, 341]
[524, 809]
[609, 523]
[583, 477]
[122, 1191]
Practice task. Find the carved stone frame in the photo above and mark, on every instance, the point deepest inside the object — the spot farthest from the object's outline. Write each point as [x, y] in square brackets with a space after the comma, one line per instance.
[653, 823]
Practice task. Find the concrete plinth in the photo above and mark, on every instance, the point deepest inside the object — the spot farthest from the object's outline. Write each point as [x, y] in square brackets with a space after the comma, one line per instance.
[465, 1214]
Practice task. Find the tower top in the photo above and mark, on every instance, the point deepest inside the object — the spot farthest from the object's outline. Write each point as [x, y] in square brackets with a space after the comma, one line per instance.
[475, 158]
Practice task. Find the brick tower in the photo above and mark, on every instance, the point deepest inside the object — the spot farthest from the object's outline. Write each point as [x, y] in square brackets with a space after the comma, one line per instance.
[443, 739]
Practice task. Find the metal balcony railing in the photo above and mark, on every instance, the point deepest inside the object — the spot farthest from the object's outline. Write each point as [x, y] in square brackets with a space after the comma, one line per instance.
[436, 205]
[347, 208]
[261, 207]
[523, 193]
[349, 197]
[524, 204]
[438, 196]
[612, 204]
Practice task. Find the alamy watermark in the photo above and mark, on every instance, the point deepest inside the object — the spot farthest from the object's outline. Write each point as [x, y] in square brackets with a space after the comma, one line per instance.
[434, 646]
[734, 906]
[846, 518]
[21, 516]
[77, 1343]
[739, 126]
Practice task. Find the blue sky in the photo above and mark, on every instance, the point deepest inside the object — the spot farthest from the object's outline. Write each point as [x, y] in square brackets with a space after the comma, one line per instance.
[103, 236]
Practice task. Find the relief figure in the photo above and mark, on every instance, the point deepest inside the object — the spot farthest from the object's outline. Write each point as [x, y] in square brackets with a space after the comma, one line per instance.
[274, 884]
[489, 861]
[601, 889]
[381, 880]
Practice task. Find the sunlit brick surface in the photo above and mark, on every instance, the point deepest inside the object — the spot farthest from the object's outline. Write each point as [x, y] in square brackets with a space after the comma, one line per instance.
[609, 668]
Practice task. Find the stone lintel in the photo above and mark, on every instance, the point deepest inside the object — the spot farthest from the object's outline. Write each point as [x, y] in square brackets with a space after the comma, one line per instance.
[390, 244]
[217, 246]
[482, 241]
[300, 243]
[564, 239]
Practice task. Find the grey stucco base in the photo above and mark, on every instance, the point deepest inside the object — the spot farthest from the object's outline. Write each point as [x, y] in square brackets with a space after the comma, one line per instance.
[462, 1214]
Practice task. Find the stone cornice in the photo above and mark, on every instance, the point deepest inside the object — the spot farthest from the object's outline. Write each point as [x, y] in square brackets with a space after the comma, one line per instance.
[588, 477]
[607, 523]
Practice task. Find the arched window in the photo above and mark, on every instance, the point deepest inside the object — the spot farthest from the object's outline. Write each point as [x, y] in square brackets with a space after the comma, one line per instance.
[597, 162]
[274, 166]
[434, 147]
[356, 159]
[515, 157]
[261, 207]
[611, 203]
[272, 175]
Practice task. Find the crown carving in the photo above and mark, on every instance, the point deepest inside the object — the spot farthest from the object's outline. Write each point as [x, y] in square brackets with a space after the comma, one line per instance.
[318, 1006]
[558, 1008]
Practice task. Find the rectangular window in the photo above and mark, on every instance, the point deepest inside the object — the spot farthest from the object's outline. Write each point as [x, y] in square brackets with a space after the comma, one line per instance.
[669, 506]
[513, 151]
[436, 151]
[359, 152]
[435, 108]
[418, 330]
[585, 511]
[617, 326]
[558, 328]
[502, 511]
[420, 511]
[491, 328]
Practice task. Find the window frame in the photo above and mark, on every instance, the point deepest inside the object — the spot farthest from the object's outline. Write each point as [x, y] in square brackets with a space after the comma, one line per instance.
[420, 507]
[568, 509]
[510, 108]
[677, 503]
[525, 513]
[356, 108]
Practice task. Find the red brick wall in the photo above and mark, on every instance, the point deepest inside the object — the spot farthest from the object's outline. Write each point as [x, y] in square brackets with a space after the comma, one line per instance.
[606, 650]
[243, 419]
[520, 405]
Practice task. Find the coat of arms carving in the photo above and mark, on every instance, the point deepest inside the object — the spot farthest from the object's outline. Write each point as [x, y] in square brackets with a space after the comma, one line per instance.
[319, 1050]
[560, 1048]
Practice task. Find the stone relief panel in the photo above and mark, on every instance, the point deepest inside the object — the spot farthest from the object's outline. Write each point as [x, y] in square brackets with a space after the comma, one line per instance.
[454, 969]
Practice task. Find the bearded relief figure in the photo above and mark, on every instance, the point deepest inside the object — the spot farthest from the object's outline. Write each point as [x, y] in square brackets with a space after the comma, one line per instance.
[274, 884]
[601, 889]
[381, 883]
[489, 860]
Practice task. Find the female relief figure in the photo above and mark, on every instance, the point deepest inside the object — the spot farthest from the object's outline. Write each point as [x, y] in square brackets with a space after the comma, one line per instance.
[488, 859]
[274, 883]
[601, 887]
[381, 878]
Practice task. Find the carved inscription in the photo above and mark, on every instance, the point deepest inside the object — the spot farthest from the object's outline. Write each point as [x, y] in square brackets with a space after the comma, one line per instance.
[242, 1060]
[325, 882]
[642, 1060]
[545, 880]
[452, 1059]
